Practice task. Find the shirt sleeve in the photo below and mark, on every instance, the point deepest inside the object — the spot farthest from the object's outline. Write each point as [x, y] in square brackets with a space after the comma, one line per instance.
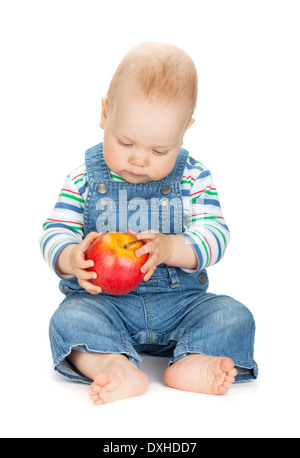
[205, 227]
[65, 224]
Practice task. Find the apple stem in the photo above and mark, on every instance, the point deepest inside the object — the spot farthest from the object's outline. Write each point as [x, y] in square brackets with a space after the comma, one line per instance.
[131, 243]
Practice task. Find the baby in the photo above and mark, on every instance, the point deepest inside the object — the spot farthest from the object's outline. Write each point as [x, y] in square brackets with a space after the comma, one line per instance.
[140, 180]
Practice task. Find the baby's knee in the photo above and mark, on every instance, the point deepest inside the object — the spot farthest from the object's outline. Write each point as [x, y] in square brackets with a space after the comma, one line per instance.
[237, 314]
[66, 317]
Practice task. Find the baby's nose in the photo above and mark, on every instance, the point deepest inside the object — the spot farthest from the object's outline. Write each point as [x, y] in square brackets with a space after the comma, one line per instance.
[139, 160]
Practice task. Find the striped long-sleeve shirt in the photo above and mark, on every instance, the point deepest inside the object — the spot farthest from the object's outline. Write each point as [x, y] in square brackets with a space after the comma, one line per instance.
[204, 225]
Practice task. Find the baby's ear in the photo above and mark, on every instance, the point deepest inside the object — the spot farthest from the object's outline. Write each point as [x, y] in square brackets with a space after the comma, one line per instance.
[191, 122]
[104, 111]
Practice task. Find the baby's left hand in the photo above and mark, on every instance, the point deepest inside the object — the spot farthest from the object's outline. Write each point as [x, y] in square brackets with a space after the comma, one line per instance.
[158, 247]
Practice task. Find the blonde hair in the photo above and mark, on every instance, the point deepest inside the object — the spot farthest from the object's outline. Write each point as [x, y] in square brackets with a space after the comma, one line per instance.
[163, 73]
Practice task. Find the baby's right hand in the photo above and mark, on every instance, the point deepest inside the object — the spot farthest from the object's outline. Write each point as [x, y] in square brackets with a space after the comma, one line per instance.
[80, 265]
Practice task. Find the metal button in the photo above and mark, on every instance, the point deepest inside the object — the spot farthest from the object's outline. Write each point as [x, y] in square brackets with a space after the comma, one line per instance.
[202, 278]
[166, 190]
[102, 188]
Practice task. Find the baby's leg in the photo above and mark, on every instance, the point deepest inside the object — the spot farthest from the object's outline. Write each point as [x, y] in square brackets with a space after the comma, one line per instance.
[115, 377]
[215, 326]
[96, 323]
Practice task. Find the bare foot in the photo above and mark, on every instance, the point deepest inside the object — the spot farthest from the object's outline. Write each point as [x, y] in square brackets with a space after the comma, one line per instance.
[201, 374]
[119, 380]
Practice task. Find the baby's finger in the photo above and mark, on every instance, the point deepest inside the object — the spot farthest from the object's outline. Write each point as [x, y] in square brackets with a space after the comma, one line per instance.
[90, 287]
[145, 235]
[149, 273]
[83, 264]
[149, 265]
[85, 275]
[147, 248]
[89, 239]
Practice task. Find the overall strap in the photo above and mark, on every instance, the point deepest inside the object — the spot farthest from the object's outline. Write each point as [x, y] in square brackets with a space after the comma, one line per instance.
[95, 163]
[177, 172]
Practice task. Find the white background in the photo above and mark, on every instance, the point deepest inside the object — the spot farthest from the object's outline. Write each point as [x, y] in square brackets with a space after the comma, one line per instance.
[57, 58]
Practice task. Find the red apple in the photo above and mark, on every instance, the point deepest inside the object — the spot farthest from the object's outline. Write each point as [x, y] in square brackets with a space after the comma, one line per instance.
[117, 267]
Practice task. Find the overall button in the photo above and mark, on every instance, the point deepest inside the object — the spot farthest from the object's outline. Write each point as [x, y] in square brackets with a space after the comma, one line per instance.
[202, 278]
[166, 190]
[102, 188]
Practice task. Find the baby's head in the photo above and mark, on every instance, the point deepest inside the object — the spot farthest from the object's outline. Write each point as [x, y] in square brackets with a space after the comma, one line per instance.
[148, 108]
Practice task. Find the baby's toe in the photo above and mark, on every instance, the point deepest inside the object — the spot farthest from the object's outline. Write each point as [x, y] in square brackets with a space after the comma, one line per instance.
[227, 365]
[95, 388]
[227, 385]
[232, 372]
[229, 379]
[99, 402]
[95, 393]
[222, 389]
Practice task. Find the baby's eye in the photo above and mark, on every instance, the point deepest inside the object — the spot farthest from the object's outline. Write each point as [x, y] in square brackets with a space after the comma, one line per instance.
[159, 152]
[126, 145]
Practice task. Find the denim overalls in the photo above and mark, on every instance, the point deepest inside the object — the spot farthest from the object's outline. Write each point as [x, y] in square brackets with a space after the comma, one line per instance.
[171, 314]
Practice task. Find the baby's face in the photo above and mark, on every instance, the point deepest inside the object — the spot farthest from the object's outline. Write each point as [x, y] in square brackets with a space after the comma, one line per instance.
[142, 140]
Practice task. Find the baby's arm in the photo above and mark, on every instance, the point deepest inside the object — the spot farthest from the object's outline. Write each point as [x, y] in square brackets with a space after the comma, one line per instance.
[65, 224]
[205, 227]
[62, 241]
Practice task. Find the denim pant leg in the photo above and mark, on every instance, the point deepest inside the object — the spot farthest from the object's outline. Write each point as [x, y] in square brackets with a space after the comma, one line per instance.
[218, 326]
[93, 324]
